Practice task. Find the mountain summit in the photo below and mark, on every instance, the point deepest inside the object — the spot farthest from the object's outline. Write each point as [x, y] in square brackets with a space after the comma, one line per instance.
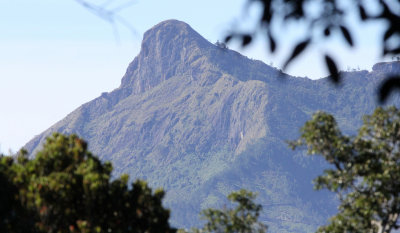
[200, 121]
[168, 48]
[173, 48]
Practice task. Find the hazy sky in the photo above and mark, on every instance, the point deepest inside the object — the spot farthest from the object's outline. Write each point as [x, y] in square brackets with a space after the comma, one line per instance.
[56, 55]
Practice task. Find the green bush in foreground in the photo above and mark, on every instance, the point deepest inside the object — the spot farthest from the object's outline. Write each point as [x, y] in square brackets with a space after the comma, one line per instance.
[67, 189]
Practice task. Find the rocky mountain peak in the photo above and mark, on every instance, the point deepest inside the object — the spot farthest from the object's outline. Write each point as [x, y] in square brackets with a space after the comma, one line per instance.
[163, 38]
[173, 48]
[167, 49]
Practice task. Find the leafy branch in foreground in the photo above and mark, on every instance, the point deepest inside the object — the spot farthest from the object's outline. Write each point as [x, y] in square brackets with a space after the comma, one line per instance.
[242, 219]
[109, 11]
[365, 170]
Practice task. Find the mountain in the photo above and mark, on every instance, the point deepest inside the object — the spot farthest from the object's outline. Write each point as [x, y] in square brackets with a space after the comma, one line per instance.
[201, 120]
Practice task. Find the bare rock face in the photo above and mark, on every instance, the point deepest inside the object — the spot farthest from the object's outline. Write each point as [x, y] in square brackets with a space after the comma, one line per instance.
[168, 48]
[200, 121]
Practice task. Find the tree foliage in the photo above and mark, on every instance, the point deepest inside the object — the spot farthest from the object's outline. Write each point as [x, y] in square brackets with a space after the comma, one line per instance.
[322, 19]
[365, 169]
[67, 189]
[12, 213]
[242, 219]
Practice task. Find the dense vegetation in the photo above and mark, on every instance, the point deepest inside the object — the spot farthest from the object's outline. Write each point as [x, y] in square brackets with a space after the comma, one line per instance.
[67, 189]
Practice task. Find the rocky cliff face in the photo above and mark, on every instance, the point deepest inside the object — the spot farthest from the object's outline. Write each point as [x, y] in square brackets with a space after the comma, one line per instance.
[168, 48]
[201, 121]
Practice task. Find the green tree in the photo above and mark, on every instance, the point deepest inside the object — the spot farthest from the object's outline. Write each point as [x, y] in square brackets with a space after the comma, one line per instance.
[365, 170]
[67, 189]
[242, 219]
[12, 213]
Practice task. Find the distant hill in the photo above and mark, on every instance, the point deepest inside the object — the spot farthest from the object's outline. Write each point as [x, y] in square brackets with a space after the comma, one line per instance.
[200, 121]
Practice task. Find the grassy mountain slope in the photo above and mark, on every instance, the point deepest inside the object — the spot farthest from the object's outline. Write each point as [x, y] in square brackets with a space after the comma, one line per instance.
[201, 121]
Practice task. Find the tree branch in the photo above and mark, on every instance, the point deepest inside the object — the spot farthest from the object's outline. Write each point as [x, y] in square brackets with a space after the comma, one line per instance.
[110, 14]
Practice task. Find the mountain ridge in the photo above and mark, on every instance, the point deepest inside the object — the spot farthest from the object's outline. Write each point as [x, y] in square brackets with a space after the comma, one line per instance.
[201, 121]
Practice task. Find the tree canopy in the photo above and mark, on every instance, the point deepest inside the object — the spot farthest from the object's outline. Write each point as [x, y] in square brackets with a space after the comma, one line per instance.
[67, 189]
[364, 170]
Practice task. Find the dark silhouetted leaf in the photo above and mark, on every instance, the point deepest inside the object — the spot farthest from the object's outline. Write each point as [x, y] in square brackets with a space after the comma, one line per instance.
[266, 15]
[394, 51]
[363, 14]
[327, 31]
[346, 34]
[388, 33]
[246, 40]
[297, 50]
[272, 44]
[386, 13]
[333, 70]
[228, 38]
[387, 86]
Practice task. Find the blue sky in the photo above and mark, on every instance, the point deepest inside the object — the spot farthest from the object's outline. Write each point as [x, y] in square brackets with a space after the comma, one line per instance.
[56, 55]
